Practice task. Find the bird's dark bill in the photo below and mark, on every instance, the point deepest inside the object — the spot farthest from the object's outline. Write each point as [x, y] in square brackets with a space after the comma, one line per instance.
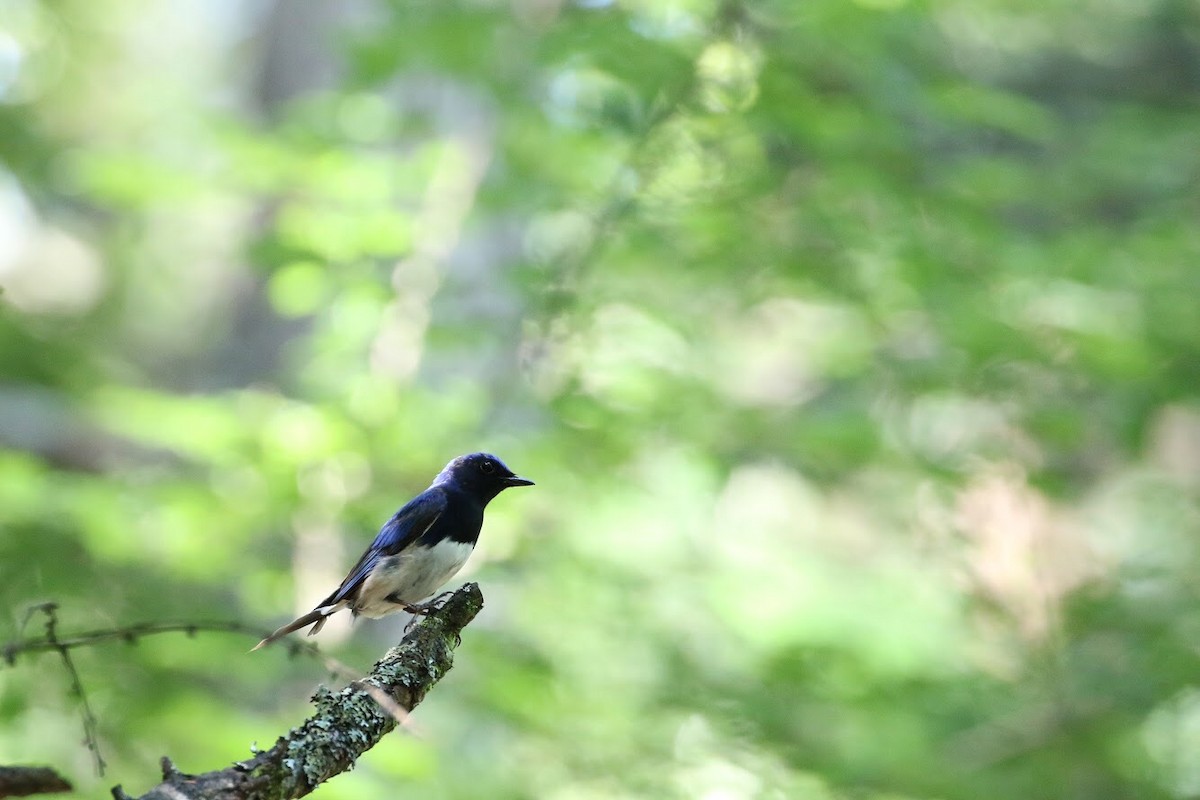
[516, 480]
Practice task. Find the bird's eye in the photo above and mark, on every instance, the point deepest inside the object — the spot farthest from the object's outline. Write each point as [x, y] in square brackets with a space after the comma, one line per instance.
[487, 467]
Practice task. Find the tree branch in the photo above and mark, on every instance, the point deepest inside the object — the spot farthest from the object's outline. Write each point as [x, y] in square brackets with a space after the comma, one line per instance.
[345, 725]
[24, 781]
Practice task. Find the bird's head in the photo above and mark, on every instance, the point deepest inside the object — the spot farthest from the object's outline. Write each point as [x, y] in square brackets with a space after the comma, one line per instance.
[481, 474]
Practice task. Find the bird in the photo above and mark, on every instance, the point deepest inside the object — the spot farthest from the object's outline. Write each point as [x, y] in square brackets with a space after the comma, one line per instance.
[419, 548]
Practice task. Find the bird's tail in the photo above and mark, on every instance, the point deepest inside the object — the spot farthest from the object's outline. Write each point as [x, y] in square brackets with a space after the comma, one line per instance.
[317, 615]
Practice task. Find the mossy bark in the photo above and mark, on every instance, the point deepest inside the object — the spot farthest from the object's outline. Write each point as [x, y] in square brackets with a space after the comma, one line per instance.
[345, 724]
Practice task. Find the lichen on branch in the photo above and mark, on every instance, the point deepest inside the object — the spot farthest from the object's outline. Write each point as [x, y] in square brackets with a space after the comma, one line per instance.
[345, 723]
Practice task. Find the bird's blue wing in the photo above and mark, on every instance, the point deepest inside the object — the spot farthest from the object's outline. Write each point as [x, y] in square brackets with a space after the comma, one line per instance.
[404, 528]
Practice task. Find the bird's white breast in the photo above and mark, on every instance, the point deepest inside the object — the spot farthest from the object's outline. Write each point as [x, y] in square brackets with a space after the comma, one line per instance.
[411, 576]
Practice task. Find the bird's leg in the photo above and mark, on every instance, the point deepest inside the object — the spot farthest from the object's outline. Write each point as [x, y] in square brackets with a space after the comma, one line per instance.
[432, 605]
[419, 610]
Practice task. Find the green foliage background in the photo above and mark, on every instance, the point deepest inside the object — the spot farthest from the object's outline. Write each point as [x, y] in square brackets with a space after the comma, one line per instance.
[854, 347]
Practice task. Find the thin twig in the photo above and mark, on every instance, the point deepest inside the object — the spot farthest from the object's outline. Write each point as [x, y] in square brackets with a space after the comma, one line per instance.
[128, 633]
[131, 633]
[90, 723]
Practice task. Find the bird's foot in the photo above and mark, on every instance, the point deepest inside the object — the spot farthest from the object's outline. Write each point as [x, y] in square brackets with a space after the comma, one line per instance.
[425, 608]
[419, 610]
